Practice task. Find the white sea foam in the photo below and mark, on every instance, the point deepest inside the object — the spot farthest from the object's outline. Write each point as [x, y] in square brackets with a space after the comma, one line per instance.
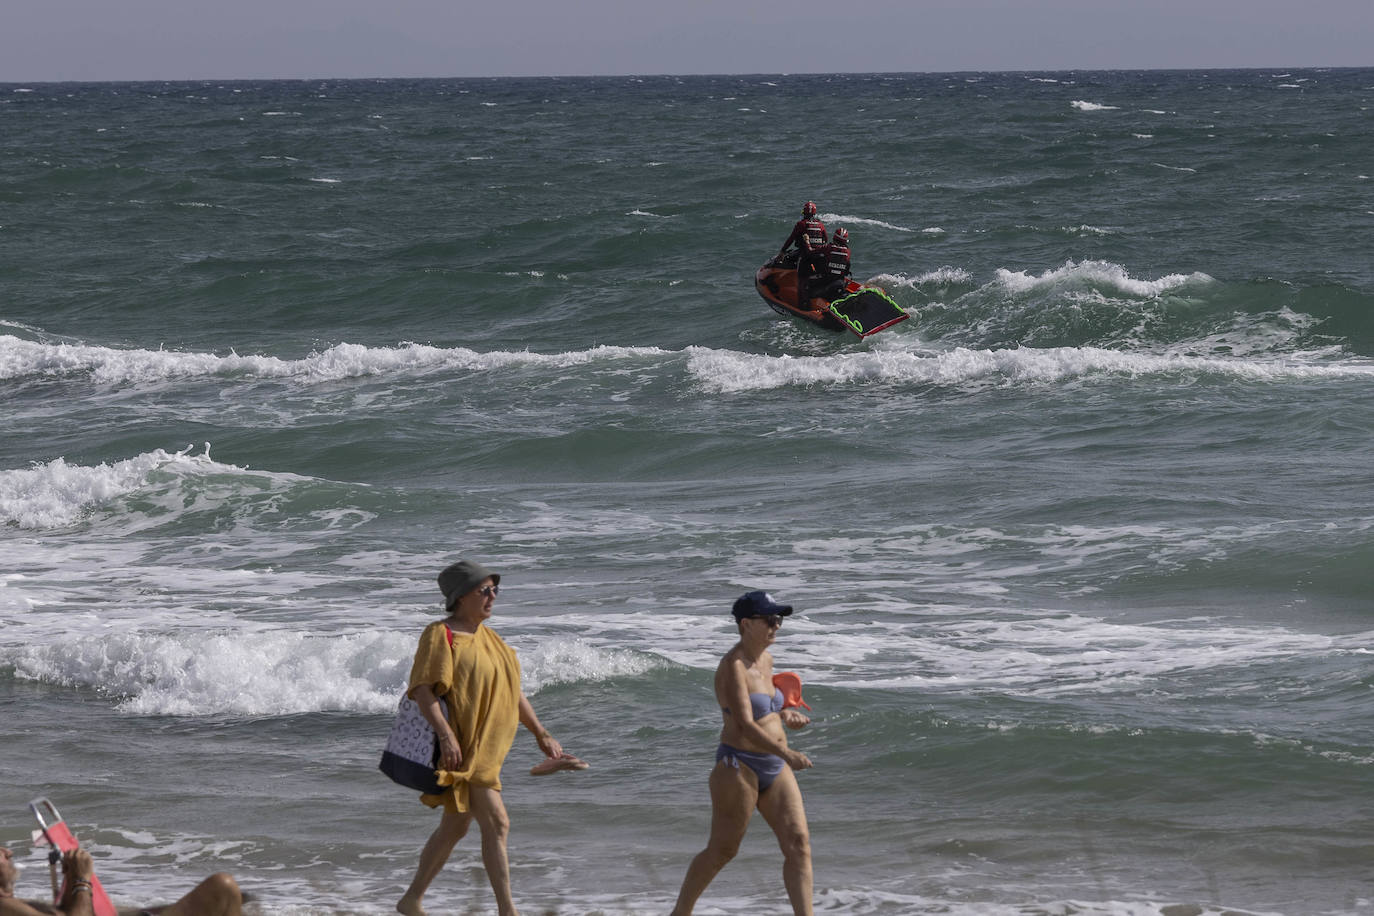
[107, 365]
[1085, 229]
[1248, 337]
[1092, 106]
[1059, 655]
[1043, 654]
[569, 661]
[1104, 273]
[861, 221]
[1173, 168]
[728, 371]
[1046, 653]
[942, 276]
[231, 671]
[57, 494]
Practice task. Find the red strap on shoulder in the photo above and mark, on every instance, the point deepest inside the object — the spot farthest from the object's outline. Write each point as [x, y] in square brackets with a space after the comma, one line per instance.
[449, 634]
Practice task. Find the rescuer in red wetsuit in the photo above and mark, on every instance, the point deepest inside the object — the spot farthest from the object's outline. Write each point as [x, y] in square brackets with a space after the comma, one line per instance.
[830, 273]
[808, 234]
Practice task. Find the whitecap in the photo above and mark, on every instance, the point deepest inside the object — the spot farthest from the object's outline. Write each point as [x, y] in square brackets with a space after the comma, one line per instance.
[550, 661]
[192, 673]
[108, 365]
[1092, 106]
[1086, 229]
[861, 221]
[57, 494]
[726, 371]
[1102, 272]
[282, 672]
[942, 276]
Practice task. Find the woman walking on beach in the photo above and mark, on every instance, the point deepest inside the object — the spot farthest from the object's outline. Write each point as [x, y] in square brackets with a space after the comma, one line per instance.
[753, 762]
[461, 661]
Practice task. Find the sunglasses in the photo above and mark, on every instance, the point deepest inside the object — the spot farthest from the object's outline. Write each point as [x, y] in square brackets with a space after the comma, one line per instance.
[773, 620]
[489, 591]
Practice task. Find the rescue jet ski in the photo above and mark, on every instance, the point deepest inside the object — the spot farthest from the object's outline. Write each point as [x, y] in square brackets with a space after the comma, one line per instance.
[864, 310]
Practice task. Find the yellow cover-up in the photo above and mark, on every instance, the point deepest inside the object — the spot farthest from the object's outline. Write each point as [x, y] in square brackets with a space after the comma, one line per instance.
[478, 677]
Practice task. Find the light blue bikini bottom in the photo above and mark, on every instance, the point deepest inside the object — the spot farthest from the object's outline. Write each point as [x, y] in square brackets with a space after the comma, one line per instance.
[765, 766]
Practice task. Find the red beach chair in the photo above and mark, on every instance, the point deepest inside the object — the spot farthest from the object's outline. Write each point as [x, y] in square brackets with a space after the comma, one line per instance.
[57, 834]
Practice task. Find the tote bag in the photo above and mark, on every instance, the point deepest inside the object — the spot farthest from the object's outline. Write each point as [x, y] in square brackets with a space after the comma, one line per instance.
[412, 750]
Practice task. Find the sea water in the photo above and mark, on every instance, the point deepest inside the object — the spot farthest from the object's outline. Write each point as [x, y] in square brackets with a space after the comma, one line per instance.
[1080, 553]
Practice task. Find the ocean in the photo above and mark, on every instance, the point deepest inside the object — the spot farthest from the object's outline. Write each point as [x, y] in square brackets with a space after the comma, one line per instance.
[1080, 553]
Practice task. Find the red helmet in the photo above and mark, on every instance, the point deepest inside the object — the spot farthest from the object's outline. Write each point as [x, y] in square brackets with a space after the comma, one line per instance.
[808, 209]
[841, 238]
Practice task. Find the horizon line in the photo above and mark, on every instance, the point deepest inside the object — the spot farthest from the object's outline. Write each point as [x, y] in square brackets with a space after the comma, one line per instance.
[783, 75]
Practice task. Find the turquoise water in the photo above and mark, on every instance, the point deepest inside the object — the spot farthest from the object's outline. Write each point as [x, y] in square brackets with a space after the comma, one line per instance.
[1080, 552]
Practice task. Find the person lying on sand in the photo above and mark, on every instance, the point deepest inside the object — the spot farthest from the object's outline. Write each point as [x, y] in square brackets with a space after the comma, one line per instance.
[217, 895]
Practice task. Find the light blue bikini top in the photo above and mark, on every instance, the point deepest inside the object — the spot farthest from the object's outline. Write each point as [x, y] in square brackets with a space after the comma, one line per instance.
[764, 704]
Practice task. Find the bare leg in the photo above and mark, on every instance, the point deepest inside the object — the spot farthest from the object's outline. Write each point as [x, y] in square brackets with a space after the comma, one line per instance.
[217, 895]
[490, 812]
[452, 826]
[781, 806]
[734, 792]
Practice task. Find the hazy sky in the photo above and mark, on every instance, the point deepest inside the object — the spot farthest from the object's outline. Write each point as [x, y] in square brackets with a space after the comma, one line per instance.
[47, 40]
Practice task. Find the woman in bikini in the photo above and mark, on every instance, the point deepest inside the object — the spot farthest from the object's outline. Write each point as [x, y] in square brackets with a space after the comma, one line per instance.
[753, 762]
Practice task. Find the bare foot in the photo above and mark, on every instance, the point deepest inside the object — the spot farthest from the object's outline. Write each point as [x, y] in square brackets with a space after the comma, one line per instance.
[410, 906]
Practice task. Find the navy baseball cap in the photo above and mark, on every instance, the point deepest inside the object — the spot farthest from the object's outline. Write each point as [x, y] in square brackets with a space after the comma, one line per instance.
[758, 604]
